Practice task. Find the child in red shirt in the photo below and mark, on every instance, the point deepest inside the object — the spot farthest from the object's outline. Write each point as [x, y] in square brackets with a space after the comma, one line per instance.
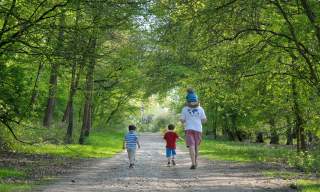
[171, 138]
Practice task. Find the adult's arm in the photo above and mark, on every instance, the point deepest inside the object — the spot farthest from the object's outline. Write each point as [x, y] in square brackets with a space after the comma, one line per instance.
[203, 116]
[138, 144]
[204, 120]
[183, 116]
[165, 138]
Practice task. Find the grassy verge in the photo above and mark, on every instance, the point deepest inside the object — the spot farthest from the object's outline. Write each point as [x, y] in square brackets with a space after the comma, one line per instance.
[14, 187]
[259, 153]
[7, 175]
[303, 185]
[98, 145]
[32, 164]
[306, 185]
[244, 152]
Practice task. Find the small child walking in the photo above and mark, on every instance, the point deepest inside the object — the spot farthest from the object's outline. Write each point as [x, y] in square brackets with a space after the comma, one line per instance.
[171, 138]
[130, 143]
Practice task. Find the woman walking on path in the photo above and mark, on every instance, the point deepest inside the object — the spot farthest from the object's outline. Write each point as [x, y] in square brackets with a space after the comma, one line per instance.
[192, 117]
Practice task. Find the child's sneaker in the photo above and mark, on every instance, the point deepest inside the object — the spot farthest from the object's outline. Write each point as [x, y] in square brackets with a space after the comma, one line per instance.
[131, 166]
[168, 164]
[173, 162]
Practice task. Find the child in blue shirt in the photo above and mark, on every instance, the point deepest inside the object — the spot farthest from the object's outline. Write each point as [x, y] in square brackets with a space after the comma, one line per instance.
[130, 143]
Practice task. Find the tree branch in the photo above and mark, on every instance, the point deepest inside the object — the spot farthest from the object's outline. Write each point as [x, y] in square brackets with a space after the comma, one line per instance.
[5, 122]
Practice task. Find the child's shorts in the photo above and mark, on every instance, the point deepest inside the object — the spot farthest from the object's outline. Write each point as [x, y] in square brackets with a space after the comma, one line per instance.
[170, 152]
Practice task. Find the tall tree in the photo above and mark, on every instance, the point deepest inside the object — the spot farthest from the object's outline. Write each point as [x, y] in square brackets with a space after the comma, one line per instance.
[55, 64]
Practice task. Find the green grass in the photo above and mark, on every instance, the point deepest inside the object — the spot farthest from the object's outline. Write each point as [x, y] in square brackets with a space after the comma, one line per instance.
[14, 187]
[281, 174]
[250, 152]
[308, 185]
[244, 152]
[5, 172]
[98, 145]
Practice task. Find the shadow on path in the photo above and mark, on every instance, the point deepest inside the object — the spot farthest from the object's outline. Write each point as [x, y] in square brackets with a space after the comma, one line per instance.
[152, 174]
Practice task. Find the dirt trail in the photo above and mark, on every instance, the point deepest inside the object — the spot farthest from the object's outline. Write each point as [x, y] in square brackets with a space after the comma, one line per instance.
[152, 174]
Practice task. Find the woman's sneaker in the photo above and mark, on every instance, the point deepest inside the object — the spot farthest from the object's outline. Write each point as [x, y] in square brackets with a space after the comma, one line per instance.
[131, 165]
[168, 164]
[173, 162]
[193, 167]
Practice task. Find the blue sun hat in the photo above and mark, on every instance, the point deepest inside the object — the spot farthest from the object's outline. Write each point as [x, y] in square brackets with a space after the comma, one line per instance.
[191, 96]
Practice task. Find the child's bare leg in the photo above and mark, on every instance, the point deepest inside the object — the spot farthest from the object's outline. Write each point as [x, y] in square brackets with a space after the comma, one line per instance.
[172, 160]
[196, 154]
[169, 162]
[192, 154]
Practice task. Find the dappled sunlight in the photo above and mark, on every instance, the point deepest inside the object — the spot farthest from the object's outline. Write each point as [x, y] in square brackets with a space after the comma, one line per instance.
[152, 174]
[75, 74]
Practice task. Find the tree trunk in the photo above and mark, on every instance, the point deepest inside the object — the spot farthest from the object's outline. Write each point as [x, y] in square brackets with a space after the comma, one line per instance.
[274, 138]
[52, 94]
[66, 112]
[74, 90]
[301, 140]
[85, 122]
[225, 129]
[70, 103]
[35, 91]
[75, 77]
[234, 127]
[87, 111]
[311, 138]
[259, 137]
[70, 123]
[289, 137]
[289, 131]
[54, 77]
[214, 123]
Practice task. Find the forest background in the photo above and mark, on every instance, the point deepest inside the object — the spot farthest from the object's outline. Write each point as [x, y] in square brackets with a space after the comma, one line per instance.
[78, 72]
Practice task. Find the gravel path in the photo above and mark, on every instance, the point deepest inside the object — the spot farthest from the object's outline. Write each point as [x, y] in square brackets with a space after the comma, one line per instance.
[152, 174]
